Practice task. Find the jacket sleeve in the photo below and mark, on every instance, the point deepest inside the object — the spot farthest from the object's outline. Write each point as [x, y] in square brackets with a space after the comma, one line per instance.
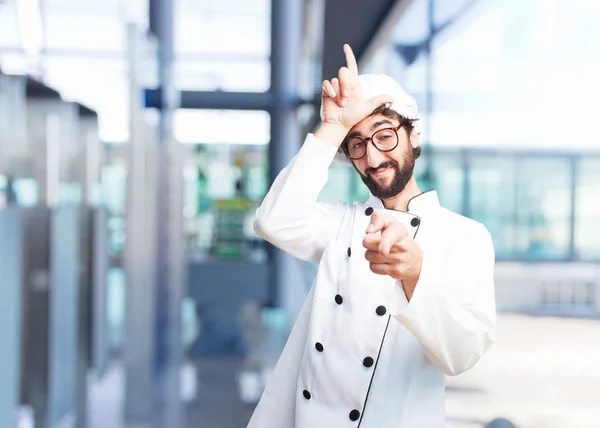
[290, 216]
[453, 314]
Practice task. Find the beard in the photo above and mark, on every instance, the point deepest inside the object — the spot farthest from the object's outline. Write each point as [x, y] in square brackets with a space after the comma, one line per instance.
[402, 175]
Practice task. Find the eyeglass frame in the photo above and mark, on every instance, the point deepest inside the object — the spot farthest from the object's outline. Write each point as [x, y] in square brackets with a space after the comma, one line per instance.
[366, 141]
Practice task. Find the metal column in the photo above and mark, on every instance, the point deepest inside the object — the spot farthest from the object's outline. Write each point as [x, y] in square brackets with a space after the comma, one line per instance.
[286, 288]
[139, 324]
[11, 280]
[170, 257]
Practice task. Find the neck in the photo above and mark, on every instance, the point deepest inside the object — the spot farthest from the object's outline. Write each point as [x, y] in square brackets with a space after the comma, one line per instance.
[400, 201]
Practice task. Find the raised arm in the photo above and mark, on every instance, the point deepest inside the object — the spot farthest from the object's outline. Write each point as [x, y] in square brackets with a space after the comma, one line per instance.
[290, 216]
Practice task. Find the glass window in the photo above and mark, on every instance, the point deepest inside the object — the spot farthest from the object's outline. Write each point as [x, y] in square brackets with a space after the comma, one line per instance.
[223, 73]
[340, 184]
[359, 191]
[233, 32]
[97, 28]
[225, 178]
[223, 45]
[491, 200]
[447, 177]
[223, 185]
[447, 10]
[413, 26]
[26, 191]
[543, 208]
[114, 189]
[9, 27]
[222, 126]
[587, 209]
[71, 76]
[3, 191]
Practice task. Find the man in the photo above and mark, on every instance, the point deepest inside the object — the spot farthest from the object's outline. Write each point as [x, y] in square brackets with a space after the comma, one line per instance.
[404, 293]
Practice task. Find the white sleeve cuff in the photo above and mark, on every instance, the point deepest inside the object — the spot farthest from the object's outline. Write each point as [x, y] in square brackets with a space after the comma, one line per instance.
[426, 296]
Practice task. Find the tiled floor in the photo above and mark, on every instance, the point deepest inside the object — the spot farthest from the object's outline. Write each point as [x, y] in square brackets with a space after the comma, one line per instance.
[217, 404]
[541, 373]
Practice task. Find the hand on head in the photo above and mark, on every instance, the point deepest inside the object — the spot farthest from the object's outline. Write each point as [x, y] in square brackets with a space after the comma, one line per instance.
[343, 102]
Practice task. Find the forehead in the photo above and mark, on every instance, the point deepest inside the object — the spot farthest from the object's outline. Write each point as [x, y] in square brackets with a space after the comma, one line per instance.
[371, 123]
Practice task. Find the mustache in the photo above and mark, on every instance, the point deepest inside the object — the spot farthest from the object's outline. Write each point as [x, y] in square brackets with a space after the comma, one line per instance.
[382, 165]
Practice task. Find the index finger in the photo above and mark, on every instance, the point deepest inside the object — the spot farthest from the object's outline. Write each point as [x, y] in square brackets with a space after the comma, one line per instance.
[351, 61]
[390, 236]
[371, 241]
[379, 221]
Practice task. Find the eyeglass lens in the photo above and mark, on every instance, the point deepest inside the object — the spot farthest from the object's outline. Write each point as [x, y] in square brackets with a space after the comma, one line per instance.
[383, 140]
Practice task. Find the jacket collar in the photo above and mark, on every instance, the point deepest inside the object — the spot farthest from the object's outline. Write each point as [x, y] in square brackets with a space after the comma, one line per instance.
[417, 204]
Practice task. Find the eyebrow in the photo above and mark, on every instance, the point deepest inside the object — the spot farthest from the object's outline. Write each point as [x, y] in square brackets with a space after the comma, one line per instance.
[374, 126]
[381, 122]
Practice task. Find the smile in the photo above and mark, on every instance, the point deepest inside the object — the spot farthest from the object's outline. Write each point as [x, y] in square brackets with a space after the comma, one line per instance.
[380, 172]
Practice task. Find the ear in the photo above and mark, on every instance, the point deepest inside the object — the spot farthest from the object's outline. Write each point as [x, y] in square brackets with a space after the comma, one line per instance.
[415, 138]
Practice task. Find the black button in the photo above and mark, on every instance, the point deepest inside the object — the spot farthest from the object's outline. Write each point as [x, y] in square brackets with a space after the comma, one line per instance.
[306, 394]
[415, 222]
[339, 299]
[368, 362]
[369, 211]
[354, 415]
[381, 310]
[349, 251]
[319, 347]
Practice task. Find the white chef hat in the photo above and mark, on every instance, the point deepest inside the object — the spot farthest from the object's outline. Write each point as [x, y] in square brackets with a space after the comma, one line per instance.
[381, 84]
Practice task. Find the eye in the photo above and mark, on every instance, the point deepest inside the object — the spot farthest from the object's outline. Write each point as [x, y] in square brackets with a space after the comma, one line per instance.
[356, 144]
[384, 134]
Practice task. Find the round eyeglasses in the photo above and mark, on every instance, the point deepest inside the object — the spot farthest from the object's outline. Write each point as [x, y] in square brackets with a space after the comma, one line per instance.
[384, 140]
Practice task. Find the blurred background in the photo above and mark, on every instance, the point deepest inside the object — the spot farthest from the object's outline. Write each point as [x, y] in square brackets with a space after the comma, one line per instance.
[137, 138]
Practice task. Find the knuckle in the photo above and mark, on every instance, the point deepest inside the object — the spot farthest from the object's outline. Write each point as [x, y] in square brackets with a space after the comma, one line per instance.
[375, 268]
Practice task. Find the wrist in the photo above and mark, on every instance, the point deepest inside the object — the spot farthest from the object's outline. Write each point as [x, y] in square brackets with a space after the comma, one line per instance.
[332, 133]
[409, 283]
[409, 286]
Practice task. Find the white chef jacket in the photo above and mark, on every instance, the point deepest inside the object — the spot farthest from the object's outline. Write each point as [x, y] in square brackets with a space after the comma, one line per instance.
[360, 354]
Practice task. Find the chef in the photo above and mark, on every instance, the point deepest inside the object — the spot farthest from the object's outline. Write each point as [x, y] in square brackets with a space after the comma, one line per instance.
[404, 292]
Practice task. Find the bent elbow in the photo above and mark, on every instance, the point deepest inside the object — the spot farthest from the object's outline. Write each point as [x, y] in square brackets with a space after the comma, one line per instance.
[261, 227]
[268, 229]
[465, 362]
[458, 368]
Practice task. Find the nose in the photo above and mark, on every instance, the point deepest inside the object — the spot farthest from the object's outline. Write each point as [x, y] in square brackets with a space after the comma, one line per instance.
[374, 156]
